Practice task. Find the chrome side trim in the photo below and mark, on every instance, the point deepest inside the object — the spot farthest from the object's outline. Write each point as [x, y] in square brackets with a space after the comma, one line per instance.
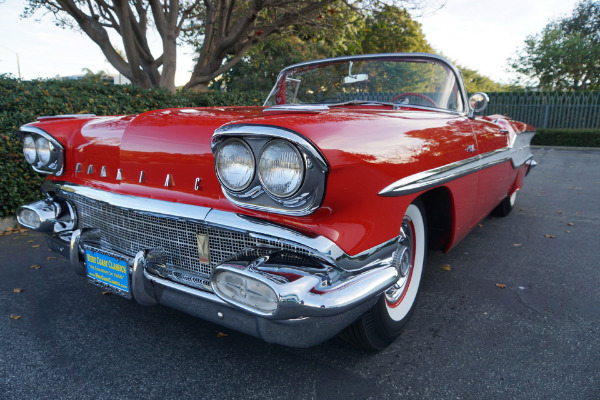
[65, 116]
[427, 179]
[518, 152]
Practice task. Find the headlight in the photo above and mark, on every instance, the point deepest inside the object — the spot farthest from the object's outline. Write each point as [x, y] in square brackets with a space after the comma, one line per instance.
[29, 149]
[235, 164]
[45, 154]
[43, 149]
[280, 168]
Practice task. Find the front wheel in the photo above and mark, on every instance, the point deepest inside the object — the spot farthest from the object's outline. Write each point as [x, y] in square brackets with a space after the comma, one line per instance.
[382, 324]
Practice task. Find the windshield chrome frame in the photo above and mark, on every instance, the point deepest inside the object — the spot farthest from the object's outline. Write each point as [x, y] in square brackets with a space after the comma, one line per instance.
[384, 56]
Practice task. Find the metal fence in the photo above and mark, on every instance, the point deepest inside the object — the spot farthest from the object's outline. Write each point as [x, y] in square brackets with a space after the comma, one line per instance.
[567, 110]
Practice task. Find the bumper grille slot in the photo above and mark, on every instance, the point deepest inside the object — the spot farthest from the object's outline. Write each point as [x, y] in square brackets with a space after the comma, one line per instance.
[129, 231]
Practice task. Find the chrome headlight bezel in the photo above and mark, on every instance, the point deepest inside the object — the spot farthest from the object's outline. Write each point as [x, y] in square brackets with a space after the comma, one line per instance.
[306, 196]
[52, 160]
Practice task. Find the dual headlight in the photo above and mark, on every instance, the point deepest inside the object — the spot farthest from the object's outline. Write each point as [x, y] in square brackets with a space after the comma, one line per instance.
[279, 166]
[42, 151]
[270, 169]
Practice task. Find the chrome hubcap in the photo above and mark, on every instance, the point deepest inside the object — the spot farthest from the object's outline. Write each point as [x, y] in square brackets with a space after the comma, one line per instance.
[403, 261]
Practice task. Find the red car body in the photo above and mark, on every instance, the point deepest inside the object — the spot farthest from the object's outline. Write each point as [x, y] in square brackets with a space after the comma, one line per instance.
[376, 161]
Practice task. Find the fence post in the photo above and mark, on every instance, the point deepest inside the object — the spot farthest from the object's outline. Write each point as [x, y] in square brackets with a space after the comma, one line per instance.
[546, 115]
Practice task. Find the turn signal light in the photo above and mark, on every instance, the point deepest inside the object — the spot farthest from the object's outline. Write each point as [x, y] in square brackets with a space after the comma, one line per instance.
[245, 291]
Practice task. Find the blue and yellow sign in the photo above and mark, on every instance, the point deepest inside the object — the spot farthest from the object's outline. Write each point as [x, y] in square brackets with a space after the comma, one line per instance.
[107, 269]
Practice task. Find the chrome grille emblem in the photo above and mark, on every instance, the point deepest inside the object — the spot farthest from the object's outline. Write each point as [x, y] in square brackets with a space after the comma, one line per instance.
[203, 248]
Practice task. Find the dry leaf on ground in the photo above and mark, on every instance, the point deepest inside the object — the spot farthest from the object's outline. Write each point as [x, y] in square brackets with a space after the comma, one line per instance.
[13, 316]
[107, 293]
[549, 236]
[221, 335]
[501, 285]
[516, 244]
[446, 267]
[35, 266]
[570, 224]
[36, 245]
[17, 290]
[50, 258]
[480, 225]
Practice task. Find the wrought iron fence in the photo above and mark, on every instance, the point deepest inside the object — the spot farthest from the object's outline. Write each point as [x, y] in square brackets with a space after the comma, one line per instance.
[553, 110]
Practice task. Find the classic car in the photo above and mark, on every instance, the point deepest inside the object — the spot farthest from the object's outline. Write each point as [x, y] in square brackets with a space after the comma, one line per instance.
[305, 218]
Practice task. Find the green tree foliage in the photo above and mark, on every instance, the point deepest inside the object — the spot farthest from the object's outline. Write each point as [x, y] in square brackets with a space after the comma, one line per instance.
[386, 29]
[390, 29]
[475, 82]
[566, 54]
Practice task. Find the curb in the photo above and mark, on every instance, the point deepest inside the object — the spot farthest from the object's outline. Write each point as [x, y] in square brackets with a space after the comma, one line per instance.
[7, 223]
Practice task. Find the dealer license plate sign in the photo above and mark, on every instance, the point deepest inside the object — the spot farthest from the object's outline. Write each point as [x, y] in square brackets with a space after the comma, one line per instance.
[107, 269]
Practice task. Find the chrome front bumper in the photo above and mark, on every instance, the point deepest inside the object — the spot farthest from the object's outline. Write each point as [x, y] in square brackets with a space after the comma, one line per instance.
[319, 291]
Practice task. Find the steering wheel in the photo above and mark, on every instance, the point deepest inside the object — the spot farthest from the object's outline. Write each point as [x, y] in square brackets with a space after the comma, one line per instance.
[424, 97]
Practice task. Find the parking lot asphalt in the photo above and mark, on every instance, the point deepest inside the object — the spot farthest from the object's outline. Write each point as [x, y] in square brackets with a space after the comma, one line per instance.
[513, 312]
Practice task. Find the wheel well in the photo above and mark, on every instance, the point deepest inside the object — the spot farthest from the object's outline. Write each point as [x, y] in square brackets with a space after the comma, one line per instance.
[438, 204]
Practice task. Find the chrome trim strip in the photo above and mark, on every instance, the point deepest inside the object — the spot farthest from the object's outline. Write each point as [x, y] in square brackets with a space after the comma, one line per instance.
[184, 289]
[142, 204]
[518, 152]
[65, 116]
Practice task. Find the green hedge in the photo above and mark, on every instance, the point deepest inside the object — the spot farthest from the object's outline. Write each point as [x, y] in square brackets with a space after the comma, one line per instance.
[567, 137]
[23, 101]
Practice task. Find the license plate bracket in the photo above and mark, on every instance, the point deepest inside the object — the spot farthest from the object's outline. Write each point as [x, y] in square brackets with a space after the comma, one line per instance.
[108, 270]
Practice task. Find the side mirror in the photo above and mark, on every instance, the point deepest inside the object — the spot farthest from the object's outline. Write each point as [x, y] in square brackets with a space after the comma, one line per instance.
[478, 102]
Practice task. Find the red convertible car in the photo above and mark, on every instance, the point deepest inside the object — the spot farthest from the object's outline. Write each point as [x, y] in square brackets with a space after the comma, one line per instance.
[295, 221]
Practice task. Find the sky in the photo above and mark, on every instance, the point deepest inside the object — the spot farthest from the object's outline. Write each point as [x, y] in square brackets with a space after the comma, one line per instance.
[479, 35]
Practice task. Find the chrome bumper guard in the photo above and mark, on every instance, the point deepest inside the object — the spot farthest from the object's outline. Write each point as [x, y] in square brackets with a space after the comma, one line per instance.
[313, 299]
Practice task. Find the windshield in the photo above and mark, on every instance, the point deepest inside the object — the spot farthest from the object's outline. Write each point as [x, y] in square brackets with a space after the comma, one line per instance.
[415, 81]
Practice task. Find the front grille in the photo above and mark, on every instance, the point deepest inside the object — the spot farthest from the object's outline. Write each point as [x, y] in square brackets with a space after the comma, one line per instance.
[129, 231]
